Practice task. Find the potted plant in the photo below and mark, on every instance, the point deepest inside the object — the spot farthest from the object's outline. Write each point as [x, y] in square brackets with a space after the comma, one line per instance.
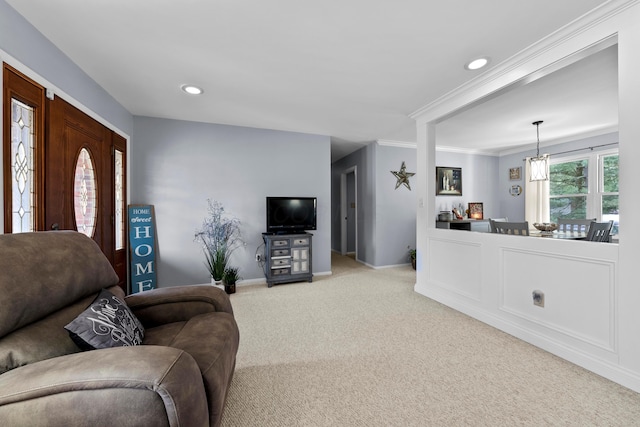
[230, 277]
[412, 257]
[216, 261]
[220, 236]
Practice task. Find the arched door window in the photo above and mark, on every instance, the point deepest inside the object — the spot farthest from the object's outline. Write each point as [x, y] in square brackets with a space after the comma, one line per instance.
[84, 194]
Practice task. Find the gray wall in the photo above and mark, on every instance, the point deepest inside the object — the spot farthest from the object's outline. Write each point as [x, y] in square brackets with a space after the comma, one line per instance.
[395, 220]
[386, 216]
[479, 182]
[185, 163]
[177, 165]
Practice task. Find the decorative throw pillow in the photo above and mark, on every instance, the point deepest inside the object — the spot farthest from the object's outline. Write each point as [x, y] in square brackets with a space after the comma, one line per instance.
[107, 322]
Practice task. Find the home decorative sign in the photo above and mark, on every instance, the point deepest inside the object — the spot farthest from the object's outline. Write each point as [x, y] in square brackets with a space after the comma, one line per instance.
[448, 181]
[142, 247]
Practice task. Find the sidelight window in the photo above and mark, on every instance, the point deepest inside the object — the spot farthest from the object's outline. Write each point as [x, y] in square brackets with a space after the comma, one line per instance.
[22, 167]
[120, 200]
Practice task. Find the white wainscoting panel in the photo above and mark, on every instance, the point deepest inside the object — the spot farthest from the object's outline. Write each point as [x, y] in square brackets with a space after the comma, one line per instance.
[456, 266]
[579, 293]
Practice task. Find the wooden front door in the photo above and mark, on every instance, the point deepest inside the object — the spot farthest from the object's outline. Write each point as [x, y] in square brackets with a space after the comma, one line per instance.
[79, 178]
[62, 170]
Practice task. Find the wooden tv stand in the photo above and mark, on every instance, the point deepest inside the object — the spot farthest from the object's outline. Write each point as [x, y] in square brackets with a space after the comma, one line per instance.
[287, 258]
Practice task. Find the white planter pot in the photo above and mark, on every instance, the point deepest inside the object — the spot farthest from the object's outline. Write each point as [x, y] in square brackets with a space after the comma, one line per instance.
[217, 283]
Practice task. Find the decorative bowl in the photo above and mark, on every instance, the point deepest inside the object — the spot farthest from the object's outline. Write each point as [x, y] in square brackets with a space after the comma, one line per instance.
[546, 226]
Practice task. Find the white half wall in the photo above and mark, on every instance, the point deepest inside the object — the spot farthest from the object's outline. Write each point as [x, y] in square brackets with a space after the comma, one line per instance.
[590, 316]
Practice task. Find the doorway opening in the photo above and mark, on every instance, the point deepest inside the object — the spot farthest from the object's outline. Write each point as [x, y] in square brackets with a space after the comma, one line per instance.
[349, 212]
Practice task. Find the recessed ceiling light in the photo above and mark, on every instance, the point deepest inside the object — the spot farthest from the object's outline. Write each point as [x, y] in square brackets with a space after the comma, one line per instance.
[191, 89]
[477, 63]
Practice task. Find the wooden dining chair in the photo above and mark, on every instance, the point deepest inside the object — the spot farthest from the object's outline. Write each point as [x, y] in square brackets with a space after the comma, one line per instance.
[575, 225]
[505, 219]
[599, 231]
[515, 228]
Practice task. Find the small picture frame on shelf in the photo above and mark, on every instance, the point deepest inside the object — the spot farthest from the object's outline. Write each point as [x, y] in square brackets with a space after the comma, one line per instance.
[448, 181]
[476, 211]
[515, 174]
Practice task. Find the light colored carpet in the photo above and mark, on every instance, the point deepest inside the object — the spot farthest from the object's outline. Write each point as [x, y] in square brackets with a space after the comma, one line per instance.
[361, 348]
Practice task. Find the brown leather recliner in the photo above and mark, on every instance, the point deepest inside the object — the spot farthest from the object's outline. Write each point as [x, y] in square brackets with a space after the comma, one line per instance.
[179, 376]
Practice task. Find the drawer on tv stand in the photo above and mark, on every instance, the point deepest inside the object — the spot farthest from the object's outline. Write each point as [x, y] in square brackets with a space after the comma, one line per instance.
[301, 241]
[281, 261]
[280, 252]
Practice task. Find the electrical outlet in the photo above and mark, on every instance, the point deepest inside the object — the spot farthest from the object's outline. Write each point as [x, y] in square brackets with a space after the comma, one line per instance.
[258, 258]
[538, 298]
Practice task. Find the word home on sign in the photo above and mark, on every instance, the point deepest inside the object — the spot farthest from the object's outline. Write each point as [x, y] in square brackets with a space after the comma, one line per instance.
[143, 248]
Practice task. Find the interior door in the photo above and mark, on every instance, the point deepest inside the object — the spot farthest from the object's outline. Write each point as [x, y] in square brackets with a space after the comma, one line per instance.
[79, 182]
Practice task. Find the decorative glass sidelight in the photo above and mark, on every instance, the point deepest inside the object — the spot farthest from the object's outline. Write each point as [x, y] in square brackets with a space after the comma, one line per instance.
[119, 190]
[22, 167]
[84, 194]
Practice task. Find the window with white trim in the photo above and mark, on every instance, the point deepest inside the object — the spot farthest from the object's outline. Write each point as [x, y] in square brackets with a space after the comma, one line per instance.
[585, 186]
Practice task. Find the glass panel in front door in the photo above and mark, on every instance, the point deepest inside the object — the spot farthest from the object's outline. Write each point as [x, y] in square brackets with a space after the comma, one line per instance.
[84, 194]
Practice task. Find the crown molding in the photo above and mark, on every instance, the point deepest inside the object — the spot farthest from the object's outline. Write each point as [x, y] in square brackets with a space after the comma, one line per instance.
[514, 68]
[402, 144]
[549, 144]
[459, 150]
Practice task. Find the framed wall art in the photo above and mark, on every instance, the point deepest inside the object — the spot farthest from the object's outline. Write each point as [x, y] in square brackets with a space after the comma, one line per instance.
[515, 173]
[448, 181]
[515, 190]
[475, 210]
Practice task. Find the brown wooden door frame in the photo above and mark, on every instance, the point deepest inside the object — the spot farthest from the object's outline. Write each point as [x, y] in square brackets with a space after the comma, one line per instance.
[19, 87]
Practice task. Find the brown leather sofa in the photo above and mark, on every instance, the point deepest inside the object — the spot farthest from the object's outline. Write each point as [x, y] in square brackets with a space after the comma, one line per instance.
[179, 376]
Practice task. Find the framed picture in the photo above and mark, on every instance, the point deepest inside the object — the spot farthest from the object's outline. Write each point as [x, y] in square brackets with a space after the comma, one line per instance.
[448, 181]
[515, 173]
[475, 211]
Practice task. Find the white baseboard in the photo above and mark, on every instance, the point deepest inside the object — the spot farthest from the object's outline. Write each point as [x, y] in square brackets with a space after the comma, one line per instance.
[601, 367]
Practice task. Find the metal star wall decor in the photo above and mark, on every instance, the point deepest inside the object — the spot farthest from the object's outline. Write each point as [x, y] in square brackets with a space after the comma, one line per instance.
[403, 177]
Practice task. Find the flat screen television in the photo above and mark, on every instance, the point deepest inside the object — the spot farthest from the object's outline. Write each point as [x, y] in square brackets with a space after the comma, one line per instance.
[291, 214]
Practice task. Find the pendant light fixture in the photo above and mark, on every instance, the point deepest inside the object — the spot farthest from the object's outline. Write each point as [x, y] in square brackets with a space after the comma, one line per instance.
[539, 165]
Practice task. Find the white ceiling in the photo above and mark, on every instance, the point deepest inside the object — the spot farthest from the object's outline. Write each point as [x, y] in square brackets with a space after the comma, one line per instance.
[577, 100]
[350, 69]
